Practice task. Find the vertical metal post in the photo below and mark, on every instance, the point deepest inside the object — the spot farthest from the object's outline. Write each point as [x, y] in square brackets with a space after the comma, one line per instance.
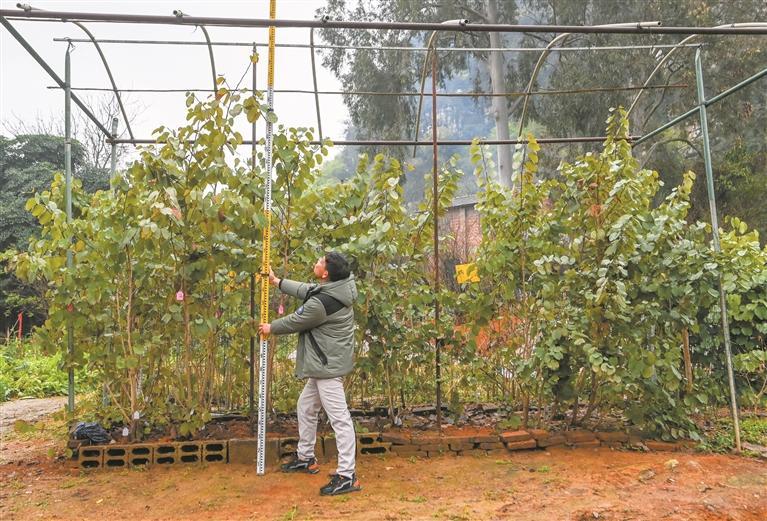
[68, 206]
[113, 156]
[435, 210]
[112, 172]
[314, 77]
[717, 247]
[252, 275]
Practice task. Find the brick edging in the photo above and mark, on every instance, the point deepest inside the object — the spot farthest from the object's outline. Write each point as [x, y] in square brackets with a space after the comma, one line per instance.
[243, 450]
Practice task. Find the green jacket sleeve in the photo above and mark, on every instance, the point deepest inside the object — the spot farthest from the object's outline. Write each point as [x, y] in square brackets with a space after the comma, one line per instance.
[295, 289]
[308, 316]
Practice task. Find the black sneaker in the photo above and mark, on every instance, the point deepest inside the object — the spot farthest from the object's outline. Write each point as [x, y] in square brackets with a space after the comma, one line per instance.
[341, 485]
[309, 466]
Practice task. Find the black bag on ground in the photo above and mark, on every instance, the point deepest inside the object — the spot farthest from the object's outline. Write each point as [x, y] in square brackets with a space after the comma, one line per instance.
[91, 431]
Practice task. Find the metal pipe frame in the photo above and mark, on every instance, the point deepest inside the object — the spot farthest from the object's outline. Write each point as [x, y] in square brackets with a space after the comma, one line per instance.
[706, 103]
[536, 70]
[460, 26]
[542, 60]
[380, 48]
[429, 45]
[212, 60]
[92, 39]
[435, 216]
[716, 246]
[439, 95]
[68, 208]
[179, 14]
[677, 47]
[463, 26]
[52, 74]
[111, 78]
[407, 142]
[314, 79]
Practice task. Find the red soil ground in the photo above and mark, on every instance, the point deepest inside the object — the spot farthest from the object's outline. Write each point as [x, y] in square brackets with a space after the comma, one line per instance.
[559, 484]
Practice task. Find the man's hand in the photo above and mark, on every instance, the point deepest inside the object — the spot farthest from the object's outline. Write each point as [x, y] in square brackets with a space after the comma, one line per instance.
[273, 280]
[265, 329]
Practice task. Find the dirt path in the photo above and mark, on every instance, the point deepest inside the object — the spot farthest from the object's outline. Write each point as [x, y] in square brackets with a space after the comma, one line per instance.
[560, 484]
[28, 410]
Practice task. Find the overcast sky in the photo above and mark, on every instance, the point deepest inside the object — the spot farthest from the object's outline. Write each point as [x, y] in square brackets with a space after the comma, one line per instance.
[23, 83]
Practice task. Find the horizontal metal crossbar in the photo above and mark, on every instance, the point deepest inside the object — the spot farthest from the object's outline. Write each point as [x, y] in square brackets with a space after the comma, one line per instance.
[347, 24]
[388, 47]
[439, 94]
[407, 142]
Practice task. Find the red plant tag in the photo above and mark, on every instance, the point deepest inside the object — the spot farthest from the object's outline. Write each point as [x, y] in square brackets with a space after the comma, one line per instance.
[180, 295]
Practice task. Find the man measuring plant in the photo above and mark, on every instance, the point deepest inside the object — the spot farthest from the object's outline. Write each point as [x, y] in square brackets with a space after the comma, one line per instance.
[325, 327]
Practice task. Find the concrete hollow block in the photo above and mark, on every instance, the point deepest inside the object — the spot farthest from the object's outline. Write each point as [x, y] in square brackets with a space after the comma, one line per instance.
[139, 455]
[165, 454]
[90, 457]
[189, 452]
[214, 451]
[115, 456]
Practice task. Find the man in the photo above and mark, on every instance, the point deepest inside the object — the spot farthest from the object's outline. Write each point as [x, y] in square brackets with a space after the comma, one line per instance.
[325, 324]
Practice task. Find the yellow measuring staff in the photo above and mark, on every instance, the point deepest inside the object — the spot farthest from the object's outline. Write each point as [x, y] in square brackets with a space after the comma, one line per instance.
[266, 254]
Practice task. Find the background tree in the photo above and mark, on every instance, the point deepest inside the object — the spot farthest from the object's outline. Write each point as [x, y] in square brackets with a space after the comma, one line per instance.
[739, 138]
[28, 162]
[393, 117]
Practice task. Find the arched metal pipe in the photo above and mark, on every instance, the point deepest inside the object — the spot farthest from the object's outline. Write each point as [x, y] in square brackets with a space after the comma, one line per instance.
[93, 40]
[178, 13]
[545, 54]
[679, 46]
[426, 60]
[314, 79]
[542, 59]
[210, 53]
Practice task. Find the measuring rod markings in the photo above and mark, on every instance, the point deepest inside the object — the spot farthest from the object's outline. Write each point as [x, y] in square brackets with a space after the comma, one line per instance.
[265, 258]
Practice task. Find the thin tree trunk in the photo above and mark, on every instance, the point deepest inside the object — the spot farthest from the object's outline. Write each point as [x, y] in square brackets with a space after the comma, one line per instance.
[389, 392]
[132, 372]
[592, 398]
[525, 409]
[687, 359]
[499, 105]
[187, 342]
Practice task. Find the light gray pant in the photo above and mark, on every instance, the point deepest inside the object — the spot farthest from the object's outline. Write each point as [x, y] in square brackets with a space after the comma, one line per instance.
[327, 393]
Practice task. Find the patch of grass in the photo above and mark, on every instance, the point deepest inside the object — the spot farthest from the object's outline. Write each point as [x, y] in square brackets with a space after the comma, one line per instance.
[291, 514]
[15, 483]
[755, 430]
[491, 495]
[71, 483]
[26, 371]
[416, 499]
[721, 437]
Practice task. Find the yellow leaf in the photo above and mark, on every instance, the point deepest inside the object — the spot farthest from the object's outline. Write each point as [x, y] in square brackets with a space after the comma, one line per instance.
[466, 273]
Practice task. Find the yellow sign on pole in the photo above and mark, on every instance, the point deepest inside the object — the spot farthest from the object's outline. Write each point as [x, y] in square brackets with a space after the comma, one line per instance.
[465, 273]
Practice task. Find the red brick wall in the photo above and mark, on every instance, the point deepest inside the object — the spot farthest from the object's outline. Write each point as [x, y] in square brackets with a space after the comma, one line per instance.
[462, 224]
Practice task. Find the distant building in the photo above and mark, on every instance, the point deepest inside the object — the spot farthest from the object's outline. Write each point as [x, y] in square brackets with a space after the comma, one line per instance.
[462, 220]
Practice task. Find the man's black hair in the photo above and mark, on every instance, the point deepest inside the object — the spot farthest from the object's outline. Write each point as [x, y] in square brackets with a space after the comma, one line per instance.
[337, 266]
